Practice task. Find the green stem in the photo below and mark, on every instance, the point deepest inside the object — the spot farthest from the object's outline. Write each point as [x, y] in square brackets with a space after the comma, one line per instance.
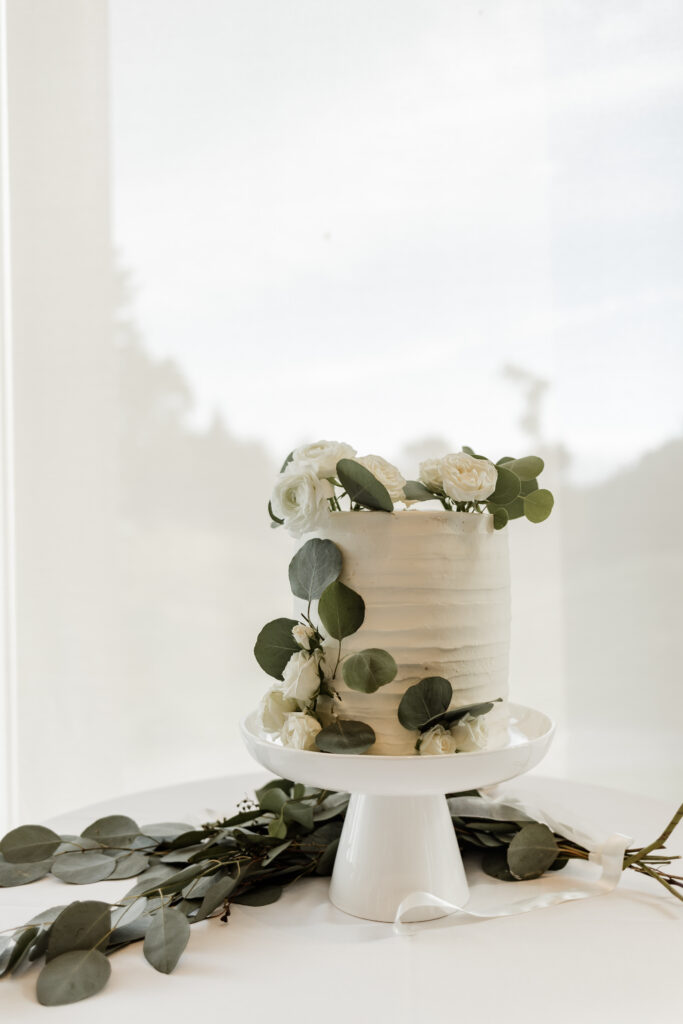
[644, 870]
[658, 843]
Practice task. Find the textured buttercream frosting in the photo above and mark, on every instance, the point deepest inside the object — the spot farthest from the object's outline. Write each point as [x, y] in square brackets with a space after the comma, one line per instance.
[436, 587]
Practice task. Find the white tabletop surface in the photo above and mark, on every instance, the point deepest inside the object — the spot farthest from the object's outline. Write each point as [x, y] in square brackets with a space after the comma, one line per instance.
[609, 958]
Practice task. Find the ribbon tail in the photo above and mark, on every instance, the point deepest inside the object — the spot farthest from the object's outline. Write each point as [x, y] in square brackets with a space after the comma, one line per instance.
[610, 855]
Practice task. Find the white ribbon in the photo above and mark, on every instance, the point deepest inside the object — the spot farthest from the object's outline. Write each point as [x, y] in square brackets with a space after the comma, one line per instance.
[607, 852]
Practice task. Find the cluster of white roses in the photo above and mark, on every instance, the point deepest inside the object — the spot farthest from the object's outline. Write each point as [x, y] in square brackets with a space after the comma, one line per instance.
[286, 707]
[304, 494]
[460, 476]
[468, 734]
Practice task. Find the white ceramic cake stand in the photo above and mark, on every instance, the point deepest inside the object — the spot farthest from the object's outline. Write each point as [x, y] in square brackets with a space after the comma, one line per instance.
[398, 837]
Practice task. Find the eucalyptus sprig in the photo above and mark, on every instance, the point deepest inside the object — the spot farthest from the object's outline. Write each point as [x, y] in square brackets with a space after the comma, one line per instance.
[286, 833]
[314, 573]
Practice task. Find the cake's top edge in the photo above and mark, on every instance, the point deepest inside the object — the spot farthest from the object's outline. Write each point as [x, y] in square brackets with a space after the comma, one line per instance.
[405, 520]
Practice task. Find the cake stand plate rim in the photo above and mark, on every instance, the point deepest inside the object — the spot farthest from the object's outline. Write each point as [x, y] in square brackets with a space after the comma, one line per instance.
[407, 774]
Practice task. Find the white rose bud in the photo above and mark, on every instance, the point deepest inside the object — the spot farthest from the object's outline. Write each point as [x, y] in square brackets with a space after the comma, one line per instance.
[470, 733]
[430, 474]
[274, 708]
[386, 474]
[300, 731]
[437, 740]
[300, 498]
[303, 635]
[322, 456]
[466, 478]
[301, 681]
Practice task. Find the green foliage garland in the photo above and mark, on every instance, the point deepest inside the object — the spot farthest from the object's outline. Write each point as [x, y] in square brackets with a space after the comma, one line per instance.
[288, 832]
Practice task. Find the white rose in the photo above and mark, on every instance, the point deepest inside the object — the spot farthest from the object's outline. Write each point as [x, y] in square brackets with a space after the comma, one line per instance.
[470, 733]
[301, 681]
[430, 474]
[303, 635]
[386, 474]
[300, 498]
[274, 708]
[300, 731]
[322, 456]
[437, 740]
[466, 478]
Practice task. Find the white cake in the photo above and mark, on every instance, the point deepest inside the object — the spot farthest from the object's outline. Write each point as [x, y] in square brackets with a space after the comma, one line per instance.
[436, 587]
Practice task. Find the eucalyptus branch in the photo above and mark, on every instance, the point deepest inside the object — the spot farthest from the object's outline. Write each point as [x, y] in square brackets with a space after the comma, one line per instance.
[289, 832]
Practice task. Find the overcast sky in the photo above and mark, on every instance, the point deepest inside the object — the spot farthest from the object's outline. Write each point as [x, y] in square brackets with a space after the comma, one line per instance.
[344, 219]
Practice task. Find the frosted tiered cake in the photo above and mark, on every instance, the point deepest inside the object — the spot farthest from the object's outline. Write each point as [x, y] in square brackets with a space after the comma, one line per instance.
[436, 586]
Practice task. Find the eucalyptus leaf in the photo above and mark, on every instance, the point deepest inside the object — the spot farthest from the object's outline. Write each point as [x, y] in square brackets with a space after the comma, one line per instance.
[273, 800]
[315, 565]
[129, 912]
[44, 920]
[277, 828]
[166, 939]
[494, 863]
[341, 610]
[7, 943]
[538, 505]
[165, 831]
[527, 468]
[29, 844]
[185, 839]
[127, 933]
[424, 701]
[507, 487]
[132, 864]
[287, 461]
[326, 862]
[415, 490]
[284, 784]
[532, 851]
[515, 509]
[216, 896]
[500, 519]
[22, 947]
[81, 925]
[22, 874]
[469, 451]
[82, 868]
[259, 896]
[275, 645]
[116, 830]
[368, 670]
[173, 883]
[345, 737]
[454, 715]
[301, 814]
[73, 976]
[275, 851]
[362, 487]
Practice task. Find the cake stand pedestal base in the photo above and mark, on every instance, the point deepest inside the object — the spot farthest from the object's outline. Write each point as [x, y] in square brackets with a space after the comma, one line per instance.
[398, 837]
[394, 845]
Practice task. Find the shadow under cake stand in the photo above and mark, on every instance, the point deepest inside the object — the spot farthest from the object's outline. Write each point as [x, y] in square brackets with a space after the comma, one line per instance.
[398, 837]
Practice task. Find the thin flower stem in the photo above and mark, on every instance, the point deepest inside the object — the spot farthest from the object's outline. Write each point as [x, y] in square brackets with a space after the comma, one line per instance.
[644, 870]
[658, 843]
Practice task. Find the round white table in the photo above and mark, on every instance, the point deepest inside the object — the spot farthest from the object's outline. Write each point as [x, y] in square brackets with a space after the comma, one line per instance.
[605, 959]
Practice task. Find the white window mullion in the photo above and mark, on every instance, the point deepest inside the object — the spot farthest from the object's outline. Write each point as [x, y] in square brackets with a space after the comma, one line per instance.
[8, 676]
